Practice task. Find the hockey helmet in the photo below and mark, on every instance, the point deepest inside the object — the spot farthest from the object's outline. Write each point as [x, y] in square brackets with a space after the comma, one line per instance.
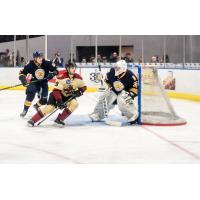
[120, 67]
[37, 54]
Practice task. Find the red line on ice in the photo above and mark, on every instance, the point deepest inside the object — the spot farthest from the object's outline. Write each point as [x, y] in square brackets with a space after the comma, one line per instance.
[173, 143]
[48, 152]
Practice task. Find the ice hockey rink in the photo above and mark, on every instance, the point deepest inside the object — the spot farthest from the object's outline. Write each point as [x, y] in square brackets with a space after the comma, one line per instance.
[82, 141]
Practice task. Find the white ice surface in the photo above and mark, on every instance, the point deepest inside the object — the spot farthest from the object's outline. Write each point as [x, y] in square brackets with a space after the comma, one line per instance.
[82, 141]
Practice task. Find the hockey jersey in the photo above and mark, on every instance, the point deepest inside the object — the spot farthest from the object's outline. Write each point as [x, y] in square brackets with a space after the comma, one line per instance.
[66, 84]
[126, 81]
[38, 72]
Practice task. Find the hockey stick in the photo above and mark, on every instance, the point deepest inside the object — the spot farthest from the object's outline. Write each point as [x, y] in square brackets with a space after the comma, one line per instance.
[101, 89]
[13, 86]
[73, 96]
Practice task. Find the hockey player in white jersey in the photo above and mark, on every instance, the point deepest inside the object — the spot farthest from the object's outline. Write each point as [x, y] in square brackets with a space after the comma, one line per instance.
[122, 89]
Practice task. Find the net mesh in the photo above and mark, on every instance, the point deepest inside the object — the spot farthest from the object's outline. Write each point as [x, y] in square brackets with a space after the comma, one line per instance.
[156, 108]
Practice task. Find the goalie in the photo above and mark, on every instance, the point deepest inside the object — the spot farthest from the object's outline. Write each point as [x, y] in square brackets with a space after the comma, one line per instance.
[122, 89]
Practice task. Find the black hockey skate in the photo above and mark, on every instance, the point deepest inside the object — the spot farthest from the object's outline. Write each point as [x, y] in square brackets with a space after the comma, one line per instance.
[133, 122]
[59, 122]
[23, 113]
[30, 123]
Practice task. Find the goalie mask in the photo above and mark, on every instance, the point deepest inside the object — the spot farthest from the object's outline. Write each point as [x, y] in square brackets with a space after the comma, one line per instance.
[120, 67]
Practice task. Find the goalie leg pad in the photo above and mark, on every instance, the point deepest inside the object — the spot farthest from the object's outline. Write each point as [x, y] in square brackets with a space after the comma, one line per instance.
[104, 104]
[127, 107]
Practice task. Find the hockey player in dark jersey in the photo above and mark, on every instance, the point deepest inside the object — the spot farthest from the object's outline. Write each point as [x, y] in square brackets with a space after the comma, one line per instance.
[122, 89]
[68, 84]
[41, 71]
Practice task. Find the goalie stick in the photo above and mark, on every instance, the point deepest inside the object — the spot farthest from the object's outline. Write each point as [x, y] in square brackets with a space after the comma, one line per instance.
[102, 88]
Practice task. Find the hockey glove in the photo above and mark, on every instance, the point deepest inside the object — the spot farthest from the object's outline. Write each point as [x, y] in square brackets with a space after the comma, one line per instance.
[60, 104]
[50, 76]
[23, 80]
[126, 97]
[78, 93]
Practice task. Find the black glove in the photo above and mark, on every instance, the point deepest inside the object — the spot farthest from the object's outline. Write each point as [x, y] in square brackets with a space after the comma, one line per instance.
[55, 72]
[60, 104]
[78, 93]
[132, 94]
[50, 76]
[23, 80]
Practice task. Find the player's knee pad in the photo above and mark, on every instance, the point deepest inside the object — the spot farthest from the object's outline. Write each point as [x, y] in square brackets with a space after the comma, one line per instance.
[72, 105]
[47, 109]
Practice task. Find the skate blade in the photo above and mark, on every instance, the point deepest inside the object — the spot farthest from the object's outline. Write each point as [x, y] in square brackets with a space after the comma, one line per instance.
[113, 123]
[59, 125]
[29, 125]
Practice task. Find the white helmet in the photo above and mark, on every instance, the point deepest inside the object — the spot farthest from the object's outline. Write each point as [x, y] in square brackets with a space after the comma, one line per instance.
[120, 67]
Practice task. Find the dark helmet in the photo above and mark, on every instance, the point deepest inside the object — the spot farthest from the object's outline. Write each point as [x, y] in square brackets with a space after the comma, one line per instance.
[70, 64]
[37, 54]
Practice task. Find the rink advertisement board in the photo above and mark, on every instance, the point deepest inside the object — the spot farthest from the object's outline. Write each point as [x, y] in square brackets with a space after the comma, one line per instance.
[173, 80]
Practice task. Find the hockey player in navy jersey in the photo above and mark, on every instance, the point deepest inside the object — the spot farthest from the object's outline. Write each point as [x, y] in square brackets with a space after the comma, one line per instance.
[41, 71]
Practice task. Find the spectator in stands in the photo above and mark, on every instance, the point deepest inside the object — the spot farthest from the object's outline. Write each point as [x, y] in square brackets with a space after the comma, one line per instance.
[2, 57]
[92, 60]
[167, 60]
[128, 58]
[84, 61]
[22, 62]
[58, 61]
[161, 60]
[99, 59]
[8, 57]
[18, 57]
[118, 58]
[153, 59]
[104, 59]
[157, 59]
[113, 57]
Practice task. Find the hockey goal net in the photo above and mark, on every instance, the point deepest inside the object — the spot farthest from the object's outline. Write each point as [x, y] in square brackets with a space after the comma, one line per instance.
[154, 106]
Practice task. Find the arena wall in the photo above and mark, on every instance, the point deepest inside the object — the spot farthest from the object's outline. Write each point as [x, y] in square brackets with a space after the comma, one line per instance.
[187, 78]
